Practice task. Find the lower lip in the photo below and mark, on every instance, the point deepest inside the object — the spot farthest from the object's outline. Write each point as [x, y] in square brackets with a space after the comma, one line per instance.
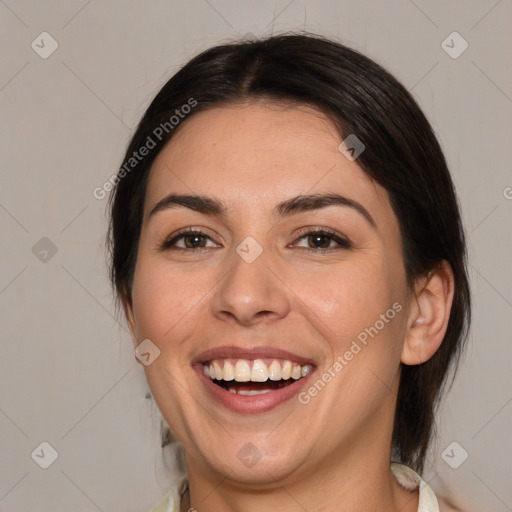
[251, 404]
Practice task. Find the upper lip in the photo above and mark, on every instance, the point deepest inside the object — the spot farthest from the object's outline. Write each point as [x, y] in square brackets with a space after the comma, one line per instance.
[259, 352]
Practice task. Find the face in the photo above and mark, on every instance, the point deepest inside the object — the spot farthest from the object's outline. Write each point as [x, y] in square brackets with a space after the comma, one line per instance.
[297, 308]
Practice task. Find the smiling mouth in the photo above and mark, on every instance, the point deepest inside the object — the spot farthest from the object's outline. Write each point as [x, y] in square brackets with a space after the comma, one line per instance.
[254, 377]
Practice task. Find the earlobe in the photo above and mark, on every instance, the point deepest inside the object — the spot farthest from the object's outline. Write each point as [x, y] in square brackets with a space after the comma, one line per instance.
[429, 315]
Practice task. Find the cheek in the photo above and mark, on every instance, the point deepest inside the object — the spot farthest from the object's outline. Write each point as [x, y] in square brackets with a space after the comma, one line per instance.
[360, 310]
[352, 297]
[165, 307]
[163, 298]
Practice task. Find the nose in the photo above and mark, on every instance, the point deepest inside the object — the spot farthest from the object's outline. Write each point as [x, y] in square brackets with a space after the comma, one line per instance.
[251, 293]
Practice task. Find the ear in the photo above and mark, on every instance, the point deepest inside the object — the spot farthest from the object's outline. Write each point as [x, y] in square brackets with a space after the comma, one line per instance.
[429, 315]
[130, 319]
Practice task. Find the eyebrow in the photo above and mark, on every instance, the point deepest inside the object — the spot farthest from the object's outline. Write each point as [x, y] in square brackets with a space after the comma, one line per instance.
[213, 207]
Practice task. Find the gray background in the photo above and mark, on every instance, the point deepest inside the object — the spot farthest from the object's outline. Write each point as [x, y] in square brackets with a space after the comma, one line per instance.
[67, 372]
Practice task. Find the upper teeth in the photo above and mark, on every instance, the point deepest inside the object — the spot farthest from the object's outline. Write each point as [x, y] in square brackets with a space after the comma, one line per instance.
[241, 370]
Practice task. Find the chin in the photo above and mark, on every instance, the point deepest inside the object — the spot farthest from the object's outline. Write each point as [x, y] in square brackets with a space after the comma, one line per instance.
[256, 462]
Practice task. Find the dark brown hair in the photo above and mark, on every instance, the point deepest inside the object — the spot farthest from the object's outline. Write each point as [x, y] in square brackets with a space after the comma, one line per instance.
[402, 154]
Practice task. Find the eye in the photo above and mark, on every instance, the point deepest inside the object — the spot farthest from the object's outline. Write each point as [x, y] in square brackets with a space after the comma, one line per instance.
[320, 240]
[189, 239]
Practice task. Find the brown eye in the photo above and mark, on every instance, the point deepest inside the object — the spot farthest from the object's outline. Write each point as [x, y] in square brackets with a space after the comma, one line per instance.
[194, 241]
[321, 240]
[190, 239]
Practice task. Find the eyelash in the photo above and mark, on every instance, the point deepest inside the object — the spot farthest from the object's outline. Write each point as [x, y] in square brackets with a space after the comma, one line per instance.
[323, 232]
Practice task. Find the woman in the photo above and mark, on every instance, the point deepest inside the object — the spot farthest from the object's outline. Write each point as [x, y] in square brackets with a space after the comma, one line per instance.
[288, 249]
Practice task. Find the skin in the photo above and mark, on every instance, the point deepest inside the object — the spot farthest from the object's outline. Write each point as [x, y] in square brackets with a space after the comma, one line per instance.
[336, 448]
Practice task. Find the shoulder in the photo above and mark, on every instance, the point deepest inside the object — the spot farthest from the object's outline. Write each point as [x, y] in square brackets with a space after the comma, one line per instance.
[410, 480]
[171, 501]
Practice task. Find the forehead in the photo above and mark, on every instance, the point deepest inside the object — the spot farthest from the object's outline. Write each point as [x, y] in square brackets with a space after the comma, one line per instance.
[256, 155]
